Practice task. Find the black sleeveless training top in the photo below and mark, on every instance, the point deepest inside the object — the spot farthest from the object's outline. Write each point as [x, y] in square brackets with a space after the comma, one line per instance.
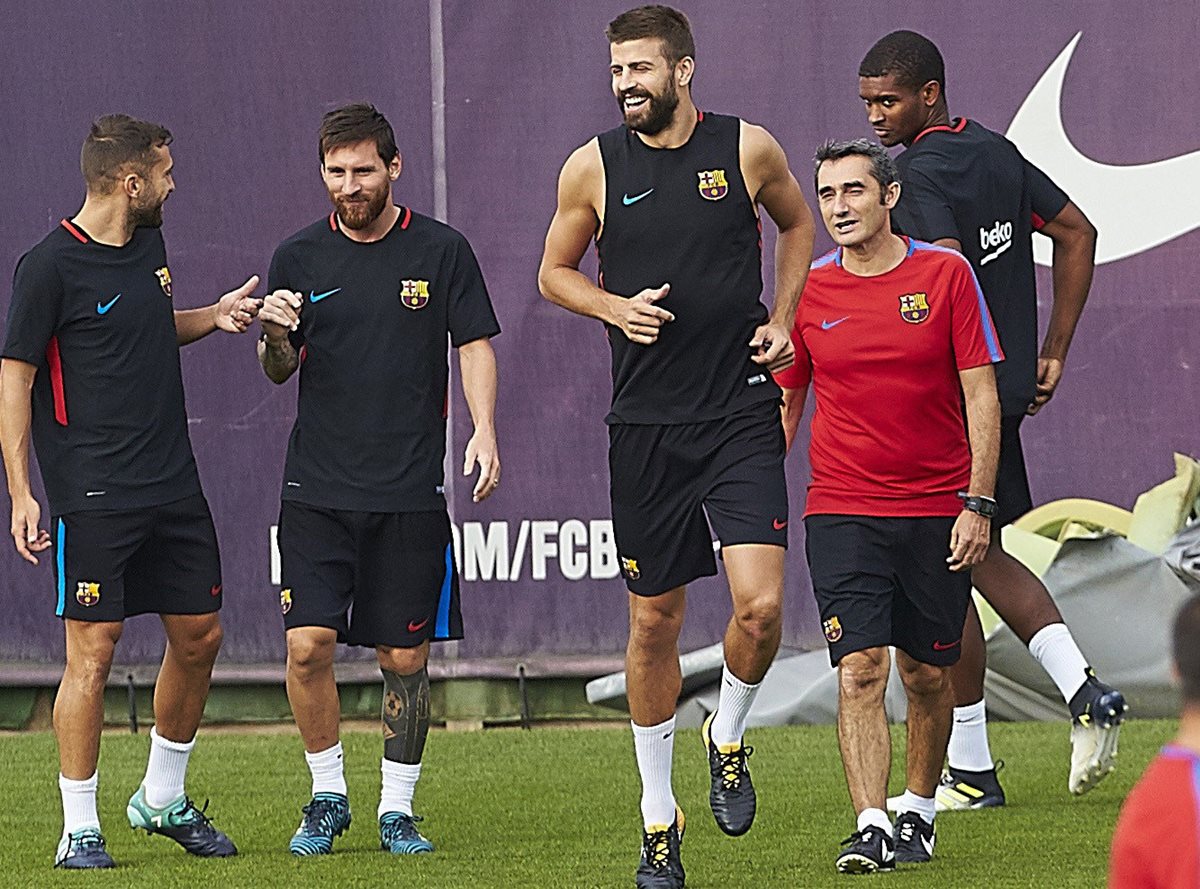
[683, 216]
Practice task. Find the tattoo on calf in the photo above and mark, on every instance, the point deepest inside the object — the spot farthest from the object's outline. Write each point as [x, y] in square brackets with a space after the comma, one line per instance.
[405, 716]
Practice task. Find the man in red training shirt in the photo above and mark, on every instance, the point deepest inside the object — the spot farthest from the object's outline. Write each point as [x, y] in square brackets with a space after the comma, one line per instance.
[895, 338]
[1157, 841]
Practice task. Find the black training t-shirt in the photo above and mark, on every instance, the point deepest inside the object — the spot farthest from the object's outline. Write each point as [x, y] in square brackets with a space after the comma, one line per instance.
[682, 216]
[109, 421]
[370, 432]
[968, 183]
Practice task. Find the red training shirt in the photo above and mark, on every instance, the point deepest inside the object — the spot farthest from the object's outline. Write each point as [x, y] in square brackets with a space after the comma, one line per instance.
[883, 354]
[1157, 841]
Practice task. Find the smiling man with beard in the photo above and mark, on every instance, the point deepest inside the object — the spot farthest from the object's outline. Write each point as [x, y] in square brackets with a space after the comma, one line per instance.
[672, 200]
[363, 301]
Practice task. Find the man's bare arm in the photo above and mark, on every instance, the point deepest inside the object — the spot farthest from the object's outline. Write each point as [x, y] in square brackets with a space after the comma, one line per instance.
[772, 185]
[576, 221]
[16, 387]
[793, 410]
[477, 364]
[233, 313]
[280, 314]
[971, 534]
[1074, 261]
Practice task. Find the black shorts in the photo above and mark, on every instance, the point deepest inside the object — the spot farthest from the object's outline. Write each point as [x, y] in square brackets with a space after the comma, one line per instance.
[665, 478]
[114, 564]
[885, 581]
[377, 578]
[1013, 499]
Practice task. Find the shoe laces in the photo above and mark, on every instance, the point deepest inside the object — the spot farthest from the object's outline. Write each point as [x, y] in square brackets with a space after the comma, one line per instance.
[732, 765]
[907, 828]
[189, 814]
[400, 827]
[858, 836]
[656, 848]
[88, 839]
[319, 814]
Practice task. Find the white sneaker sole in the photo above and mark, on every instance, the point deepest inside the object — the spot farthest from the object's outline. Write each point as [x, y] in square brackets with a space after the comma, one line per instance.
[1093, 756]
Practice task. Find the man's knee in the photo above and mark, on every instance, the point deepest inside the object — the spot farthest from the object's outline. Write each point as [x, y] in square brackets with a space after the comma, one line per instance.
[310, 651]
[922, 679]
[198, 645]
[90, 648]
[403, 661]
[655, 621]
[863, 673]
[759, 618]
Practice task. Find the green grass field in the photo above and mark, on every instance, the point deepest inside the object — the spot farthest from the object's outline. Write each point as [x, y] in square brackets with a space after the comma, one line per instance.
[558, 807]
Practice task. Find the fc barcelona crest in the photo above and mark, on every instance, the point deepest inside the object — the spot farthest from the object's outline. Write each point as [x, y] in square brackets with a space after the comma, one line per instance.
[87, 593]
[832, 628]
[285, 600]
[414, 294]
[713, 186]
[914, 308]
[164, 280]
[630, 567]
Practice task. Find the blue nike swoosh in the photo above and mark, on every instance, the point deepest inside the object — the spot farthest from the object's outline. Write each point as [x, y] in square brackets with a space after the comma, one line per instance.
[103, 309]
[628, 200]
[825, 325]
[317, 297]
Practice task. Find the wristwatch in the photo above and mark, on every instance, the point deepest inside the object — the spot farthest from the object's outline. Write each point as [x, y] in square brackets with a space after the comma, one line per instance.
[984, 506]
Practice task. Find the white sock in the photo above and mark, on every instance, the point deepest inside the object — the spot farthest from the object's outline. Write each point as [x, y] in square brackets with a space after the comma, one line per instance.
[733, 707]
[326, 768]
[1054, 648]
[922, 805]
[79, 803]
[166, 769]
[399, 783]
[654, 745]
[875, 818]
[968, 748]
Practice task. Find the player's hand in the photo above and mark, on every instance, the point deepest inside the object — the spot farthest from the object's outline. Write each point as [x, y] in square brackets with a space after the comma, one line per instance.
[27, 536]
[280, 313]
[481, 450]
[772, 346]
[1049, 373]
[640, 319]
[237, 308]
[969, 539]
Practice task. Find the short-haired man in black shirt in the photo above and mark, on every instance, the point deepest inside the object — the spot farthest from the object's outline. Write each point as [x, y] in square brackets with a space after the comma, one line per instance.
[672, 200]
[91, 367]
[363, 302]
[970, 189]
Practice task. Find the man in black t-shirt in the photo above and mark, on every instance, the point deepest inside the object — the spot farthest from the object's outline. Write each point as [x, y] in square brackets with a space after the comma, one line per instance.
[363, 302]
[968, 188]
[91, 368]
[672, 200]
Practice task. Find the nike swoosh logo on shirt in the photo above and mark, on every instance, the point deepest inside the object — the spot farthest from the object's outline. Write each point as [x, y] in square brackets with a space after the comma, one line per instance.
[1109, 192]
[317, 297]
[102, 309]
[826, 325]
[627, 200]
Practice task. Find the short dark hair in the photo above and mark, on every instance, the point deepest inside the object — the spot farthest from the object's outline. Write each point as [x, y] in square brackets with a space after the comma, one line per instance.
[356, 123]
[116, 141]
[911, 57]
[662, 22]
[1185, 651]
[883, 168]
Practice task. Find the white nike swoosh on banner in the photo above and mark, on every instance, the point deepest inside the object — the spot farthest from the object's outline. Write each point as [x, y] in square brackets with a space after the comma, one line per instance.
[1125, 203]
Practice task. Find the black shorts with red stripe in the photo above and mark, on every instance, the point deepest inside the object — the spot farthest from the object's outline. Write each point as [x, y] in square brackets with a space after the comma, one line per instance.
[885, 581]
[669, 483]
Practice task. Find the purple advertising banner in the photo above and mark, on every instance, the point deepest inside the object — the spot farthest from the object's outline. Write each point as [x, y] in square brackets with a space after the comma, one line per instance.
[487, 101]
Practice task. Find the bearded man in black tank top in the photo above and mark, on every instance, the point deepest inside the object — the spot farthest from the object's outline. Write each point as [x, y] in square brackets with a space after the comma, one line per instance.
[672, 200]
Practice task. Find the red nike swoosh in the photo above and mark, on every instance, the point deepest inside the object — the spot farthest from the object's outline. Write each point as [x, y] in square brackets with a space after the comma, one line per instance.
[414, 626]
[216, 591]
[943, 646]
[778, 525]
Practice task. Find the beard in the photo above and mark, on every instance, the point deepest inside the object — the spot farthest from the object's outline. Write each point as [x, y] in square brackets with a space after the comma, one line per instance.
[359, 213]
[148, 215]
[655, 114]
